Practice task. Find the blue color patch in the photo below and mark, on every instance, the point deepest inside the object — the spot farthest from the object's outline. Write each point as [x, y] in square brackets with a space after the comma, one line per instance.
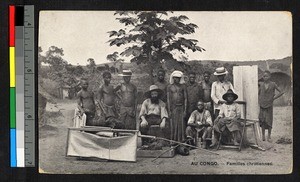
[13, 148]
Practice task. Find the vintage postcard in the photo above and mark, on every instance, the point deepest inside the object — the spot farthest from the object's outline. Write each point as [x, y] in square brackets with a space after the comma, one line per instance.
[161, 92]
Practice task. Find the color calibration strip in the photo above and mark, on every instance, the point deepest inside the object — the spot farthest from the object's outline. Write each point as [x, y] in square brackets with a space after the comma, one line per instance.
[21, 63]
[12, 77]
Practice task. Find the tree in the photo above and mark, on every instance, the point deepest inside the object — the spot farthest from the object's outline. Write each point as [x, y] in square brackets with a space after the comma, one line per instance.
[54, 58]
[153, 37]
[59, 69]
[115, 58]
[91, 65]
[279, 66]
[56, 63]
[106, 67]
[41, 58]
[78, 71]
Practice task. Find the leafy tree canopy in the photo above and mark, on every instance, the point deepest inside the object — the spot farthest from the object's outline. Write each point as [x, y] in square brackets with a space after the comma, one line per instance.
[153, 37]
[114, 57]
[54, 58]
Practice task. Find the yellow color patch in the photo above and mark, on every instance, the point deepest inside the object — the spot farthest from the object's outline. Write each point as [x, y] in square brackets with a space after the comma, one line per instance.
[12, 66]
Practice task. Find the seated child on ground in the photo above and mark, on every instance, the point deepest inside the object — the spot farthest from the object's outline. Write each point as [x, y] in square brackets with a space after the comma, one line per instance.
[200, 119]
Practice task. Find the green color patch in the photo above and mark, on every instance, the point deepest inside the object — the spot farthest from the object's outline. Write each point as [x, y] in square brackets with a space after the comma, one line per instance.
[12, 105]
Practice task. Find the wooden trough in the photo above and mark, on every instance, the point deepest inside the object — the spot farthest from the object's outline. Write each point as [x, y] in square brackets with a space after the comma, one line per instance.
[166, 152]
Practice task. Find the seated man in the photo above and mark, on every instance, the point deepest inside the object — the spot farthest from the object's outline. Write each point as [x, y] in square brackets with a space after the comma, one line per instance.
[229, 117]
[153, 110]
[200, 120]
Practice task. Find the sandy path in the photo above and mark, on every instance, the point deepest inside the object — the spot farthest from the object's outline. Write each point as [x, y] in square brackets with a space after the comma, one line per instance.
[52, 145]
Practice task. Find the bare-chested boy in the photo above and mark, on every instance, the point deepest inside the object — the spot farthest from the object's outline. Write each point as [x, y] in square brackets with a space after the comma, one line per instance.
[162, 84]
[107, 98]
[193, 93]
[128, 92]
[177, 105]
[86, 102]
[206, 92]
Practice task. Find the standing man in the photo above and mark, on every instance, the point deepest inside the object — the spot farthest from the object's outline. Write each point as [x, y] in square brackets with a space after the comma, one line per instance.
[219, 88]
[193, 94]
[128, 94]
[162, 84]
[206, 92]
[177, 105]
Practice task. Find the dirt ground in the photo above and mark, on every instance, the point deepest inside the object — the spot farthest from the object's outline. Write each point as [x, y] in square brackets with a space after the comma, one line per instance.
[277, 159]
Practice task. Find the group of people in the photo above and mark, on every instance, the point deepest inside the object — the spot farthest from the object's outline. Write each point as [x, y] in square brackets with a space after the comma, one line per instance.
[181, 110]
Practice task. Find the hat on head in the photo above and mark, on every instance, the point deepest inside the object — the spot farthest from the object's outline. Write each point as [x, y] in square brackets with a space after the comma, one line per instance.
[153, 88]
[220, 71]
[126, 73]
[178, 74]
[229, 92]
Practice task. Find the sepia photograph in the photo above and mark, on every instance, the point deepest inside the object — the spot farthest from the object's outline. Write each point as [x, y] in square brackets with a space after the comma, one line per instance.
[165, 92]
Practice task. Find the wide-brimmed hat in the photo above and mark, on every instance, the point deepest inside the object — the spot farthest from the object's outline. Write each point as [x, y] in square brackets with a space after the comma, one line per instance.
[153, 88]
[126, 73]
[220, 71]
[230, 92]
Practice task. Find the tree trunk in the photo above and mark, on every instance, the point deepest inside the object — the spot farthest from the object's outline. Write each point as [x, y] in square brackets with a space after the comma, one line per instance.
[150, 68]
[121, 68]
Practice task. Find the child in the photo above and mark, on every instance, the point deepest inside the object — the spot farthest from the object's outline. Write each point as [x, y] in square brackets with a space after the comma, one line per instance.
[200, 119]
[193, 94]
[128, 92]
[107, 97]
[162, 84]
[229, 117]
[86, 102]
[106, 101]
[266, 96]
[206, 92]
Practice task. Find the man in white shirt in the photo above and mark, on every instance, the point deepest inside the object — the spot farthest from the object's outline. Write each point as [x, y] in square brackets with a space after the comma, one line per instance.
[219, 88]
[153, 110]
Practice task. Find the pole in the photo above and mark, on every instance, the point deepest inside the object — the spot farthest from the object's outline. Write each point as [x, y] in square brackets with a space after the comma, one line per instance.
[165, 152]
[173, 141]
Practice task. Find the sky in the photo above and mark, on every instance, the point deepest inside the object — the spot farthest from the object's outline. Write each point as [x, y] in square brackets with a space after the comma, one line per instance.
[227, 36]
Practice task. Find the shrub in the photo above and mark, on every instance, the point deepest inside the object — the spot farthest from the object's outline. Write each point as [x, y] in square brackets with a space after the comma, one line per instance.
[51, 86]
